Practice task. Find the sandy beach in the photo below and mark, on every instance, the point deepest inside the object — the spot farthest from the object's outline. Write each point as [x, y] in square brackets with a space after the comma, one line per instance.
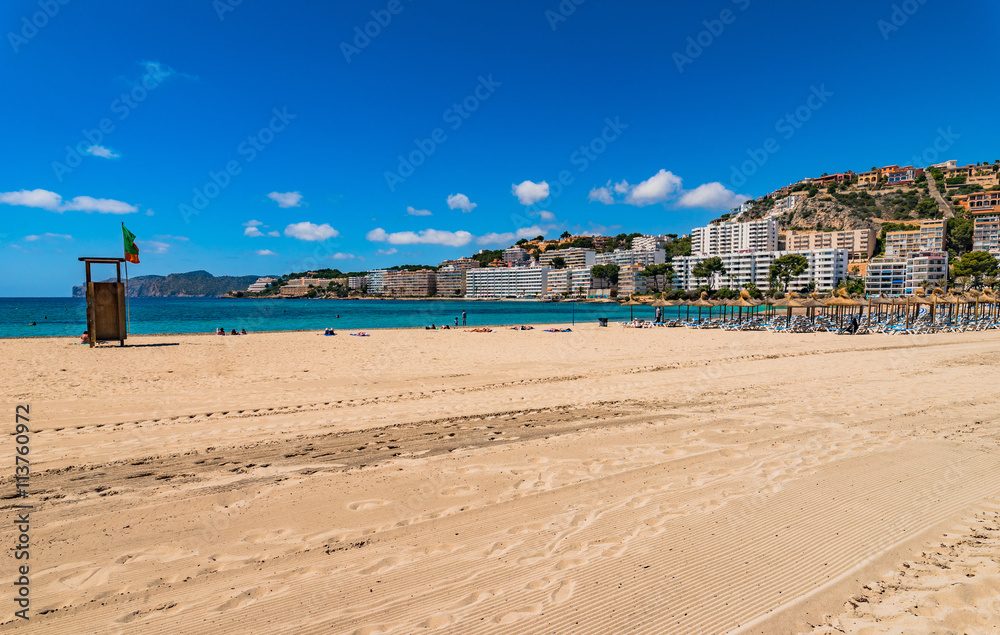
[607, 480]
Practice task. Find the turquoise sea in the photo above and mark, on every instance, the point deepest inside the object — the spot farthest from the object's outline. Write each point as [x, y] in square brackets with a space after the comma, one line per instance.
[67, 316]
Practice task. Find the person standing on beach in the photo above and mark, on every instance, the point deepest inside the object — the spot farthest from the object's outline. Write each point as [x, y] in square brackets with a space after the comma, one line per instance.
[463, 317]
[456, 321]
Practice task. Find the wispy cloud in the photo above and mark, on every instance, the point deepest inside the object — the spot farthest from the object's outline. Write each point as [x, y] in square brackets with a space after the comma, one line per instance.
[44, 199]
[411, 211]
[422, 237]
[169, 237]
[153, 246]
[264, 252]
[286, 199]
[387, 252]
[47, 236]
[343, 256]
[101, 151]
[506, 238]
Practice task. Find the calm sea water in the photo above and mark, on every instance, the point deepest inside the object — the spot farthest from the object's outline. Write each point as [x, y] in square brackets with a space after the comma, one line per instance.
[67, 316]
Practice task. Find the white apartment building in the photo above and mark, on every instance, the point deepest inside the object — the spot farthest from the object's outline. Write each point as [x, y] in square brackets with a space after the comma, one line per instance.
[577, 281]
[515, 255]
[626, 257]
[895, 276]
[827, 267]
[574, 257]
[725, 238]
[376, 280]
[649, 242]
[356, 283]
[260, 285]
[929, 237]
[886, 276]
[782, 205]
[507, 282]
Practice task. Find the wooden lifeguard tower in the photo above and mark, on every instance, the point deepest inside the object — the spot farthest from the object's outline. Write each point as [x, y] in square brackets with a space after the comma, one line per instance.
[106, 316]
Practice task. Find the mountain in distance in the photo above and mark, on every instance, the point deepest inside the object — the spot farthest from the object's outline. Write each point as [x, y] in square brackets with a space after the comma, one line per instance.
[194, 284]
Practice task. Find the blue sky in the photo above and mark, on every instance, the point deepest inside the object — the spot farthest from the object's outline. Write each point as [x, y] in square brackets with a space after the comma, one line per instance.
[263, 137]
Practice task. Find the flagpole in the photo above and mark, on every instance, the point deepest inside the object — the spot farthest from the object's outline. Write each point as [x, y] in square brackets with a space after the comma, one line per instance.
[128, 316]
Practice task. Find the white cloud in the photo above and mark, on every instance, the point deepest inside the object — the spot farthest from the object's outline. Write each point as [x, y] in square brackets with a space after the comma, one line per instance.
[546, 216]
[712, 196]
[507, 238]
[265, 252]
[310, 231]
[252, 232]
[149, 212]
[601, 195]
[462, 202]
[48, 236]
[44, 199]
[169, 237]
[286, 199]
[656, 189]
[252, 223]
[101, 151]
[667, 187]
[343, 256]
[411, 211]
[387, 252]
[152, 246]
[274, 233]
[422, 237]
[529, 193]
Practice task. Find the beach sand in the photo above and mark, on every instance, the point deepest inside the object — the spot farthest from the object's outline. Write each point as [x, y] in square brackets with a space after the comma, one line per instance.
[606, 480]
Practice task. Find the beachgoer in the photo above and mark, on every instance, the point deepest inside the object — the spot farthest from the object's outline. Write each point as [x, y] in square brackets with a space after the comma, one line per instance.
[234, 332]
[433, 328]
[220, 331]
[463, 318]
[85, 338]
[854, 325]
[243, 331]
[456, 320]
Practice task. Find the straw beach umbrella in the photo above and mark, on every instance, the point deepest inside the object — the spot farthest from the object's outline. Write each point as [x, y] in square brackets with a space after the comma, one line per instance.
[660, 304]
[744, 302]
[702, 303]
[841, 301]
[630, 303]
[812, 303]
[790, 301]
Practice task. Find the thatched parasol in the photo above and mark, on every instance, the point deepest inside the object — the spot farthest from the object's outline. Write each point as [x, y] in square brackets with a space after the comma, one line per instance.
[702, 303]
[632, 302]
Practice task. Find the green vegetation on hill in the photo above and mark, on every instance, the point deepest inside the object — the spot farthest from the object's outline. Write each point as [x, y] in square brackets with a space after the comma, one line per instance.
[194, 284]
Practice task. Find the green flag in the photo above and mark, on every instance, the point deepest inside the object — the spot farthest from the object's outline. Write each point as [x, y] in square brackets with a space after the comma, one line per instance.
[131, 251]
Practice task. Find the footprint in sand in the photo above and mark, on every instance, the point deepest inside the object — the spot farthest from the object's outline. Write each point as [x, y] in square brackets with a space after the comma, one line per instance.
[514, 616]
[365, 505]
[385, 564]
[564, 592]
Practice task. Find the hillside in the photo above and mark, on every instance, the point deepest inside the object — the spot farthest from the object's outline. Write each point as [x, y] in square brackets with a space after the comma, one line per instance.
[852, 207]
[194, 284]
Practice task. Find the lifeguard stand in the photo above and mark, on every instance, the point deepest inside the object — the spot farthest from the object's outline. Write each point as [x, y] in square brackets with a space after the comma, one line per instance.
[106, 319]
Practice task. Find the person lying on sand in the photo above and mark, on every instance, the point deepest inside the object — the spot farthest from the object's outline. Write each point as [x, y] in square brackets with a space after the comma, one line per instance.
[558, 330]
[329, 332]
[479, 330]
[85, 338]
[361, 334]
